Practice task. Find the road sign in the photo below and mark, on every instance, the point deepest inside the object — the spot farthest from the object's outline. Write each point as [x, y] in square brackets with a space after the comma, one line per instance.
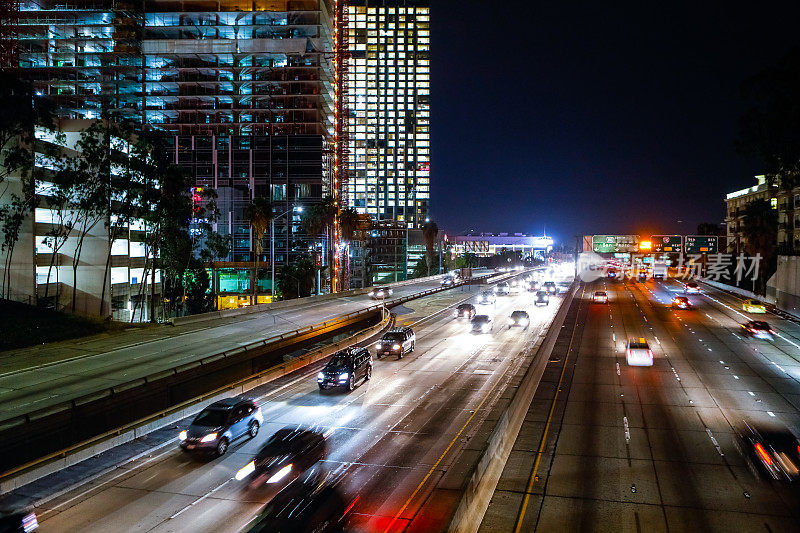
[666, 243]
[612, 244]
[701, 244]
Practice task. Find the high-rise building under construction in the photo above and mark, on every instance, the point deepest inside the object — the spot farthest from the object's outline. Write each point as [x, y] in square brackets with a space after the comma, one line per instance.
[389, 107]
[246, 88]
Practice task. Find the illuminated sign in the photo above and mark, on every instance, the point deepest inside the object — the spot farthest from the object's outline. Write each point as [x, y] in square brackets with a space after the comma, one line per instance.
[666, 243]
[701, 244]
[611, 244]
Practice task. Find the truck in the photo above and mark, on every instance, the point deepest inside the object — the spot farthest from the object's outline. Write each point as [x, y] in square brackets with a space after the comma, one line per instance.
[659, 270]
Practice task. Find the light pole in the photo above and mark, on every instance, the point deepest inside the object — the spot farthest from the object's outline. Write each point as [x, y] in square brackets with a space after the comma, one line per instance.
[298, 209]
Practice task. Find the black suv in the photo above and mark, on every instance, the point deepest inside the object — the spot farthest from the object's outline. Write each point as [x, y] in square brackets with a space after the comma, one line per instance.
[397, 342]
[464, 310]
[345, 368]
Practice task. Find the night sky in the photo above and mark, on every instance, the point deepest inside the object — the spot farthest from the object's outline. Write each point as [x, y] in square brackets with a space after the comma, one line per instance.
[595, 118]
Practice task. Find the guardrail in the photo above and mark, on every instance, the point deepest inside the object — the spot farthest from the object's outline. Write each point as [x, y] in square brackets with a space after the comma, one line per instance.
[42, 466]
[297, 302]
[23, 428]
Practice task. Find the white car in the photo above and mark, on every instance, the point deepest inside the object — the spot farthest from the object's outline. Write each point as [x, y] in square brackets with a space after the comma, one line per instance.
[380, 294]
[638, 353]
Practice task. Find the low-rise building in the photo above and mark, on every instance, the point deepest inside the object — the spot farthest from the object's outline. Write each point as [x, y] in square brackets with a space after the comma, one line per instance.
[736, 203]
[489, 244]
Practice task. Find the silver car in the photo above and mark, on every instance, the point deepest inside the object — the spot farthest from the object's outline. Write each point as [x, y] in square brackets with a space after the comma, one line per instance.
[218, 425]
[380, 294]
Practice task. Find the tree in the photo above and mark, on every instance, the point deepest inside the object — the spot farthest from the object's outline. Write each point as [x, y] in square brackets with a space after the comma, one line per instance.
[259, 213]
[21, 110]
[318, 220]
[296, 280]
[348, 223]
[769, 127]
[88, 178]
[59, 199]
[468, 260]
[760, 228]
[430, 232]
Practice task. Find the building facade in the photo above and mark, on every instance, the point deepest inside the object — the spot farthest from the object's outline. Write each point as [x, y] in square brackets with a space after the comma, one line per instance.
[52, 260]
[389, 105]
[736, 203]
[489, 244]
[244, 88]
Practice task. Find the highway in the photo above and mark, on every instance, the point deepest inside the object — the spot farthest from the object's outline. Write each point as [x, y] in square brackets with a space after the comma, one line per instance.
[607, 447]
[394, 435]
[38, 377]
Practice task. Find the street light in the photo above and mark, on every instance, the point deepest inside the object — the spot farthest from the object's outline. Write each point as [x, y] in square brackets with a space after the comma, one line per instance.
[298, 209]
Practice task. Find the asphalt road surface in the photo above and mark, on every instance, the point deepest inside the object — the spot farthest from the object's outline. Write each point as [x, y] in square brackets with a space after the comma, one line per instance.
[38, 377]
[393, 435]
[608, 447]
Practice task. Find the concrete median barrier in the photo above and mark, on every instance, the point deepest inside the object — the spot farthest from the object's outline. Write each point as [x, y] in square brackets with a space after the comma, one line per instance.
[478, 487]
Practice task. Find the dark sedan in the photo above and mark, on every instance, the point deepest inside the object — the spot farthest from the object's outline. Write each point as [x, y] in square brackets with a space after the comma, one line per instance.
[772, 453]
[313, 502]
[287, 454]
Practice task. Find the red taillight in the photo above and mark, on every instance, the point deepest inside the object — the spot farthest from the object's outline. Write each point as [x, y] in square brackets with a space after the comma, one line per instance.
[771, 331]
[764, 455]
[350, 506]
[650, 353]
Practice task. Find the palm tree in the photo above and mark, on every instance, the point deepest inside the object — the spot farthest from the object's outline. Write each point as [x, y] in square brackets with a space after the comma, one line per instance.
[259, 213]
[348, 223]
[318, 219]
[430, 231]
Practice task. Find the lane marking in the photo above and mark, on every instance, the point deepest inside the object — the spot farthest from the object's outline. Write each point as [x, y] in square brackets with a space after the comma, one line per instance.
[198, 500]
[627, 430]
[618, 369]
[770, 413]
[714, 442]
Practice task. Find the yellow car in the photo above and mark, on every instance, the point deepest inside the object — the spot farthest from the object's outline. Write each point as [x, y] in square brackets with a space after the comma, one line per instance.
[753, 306]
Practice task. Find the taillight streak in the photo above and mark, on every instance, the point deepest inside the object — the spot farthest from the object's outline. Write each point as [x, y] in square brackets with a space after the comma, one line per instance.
[764, 455]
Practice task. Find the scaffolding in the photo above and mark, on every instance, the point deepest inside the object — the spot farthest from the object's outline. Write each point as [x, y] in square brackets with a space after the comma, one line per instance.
[9, 25]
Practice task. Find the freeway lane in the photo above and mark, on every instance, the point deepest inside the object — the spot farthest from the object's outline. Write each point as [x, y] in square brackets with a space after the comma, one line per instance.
[389, 433]
[655, 449]
[103, 362]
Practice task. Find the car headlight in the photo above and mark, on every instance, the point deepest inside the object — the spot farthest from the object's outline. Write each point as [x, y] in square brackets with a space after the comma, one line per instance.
[485, 327]
[343, 376]
[209, 438]
[395, 346]
[182, 435]
[280, 474]
[524, 320]
[246, 470]
[378, 346]
[320, 376]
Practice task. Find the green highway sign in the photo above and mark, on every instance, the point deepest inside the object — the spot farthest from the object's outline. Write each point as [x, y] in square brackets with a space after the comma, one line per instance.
[666, 243]
[702, 244]
[613, 244]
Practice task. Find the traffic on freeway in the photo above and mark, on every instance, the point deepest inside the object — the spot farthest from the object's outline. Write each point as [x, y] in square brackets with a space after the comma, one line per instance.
[357, 442]
[665, 417]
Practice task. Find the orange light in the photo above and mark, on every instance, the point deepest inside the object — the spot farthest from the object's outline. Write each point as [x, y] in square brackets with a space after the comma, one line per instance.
[645, 245]
[764, 455]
